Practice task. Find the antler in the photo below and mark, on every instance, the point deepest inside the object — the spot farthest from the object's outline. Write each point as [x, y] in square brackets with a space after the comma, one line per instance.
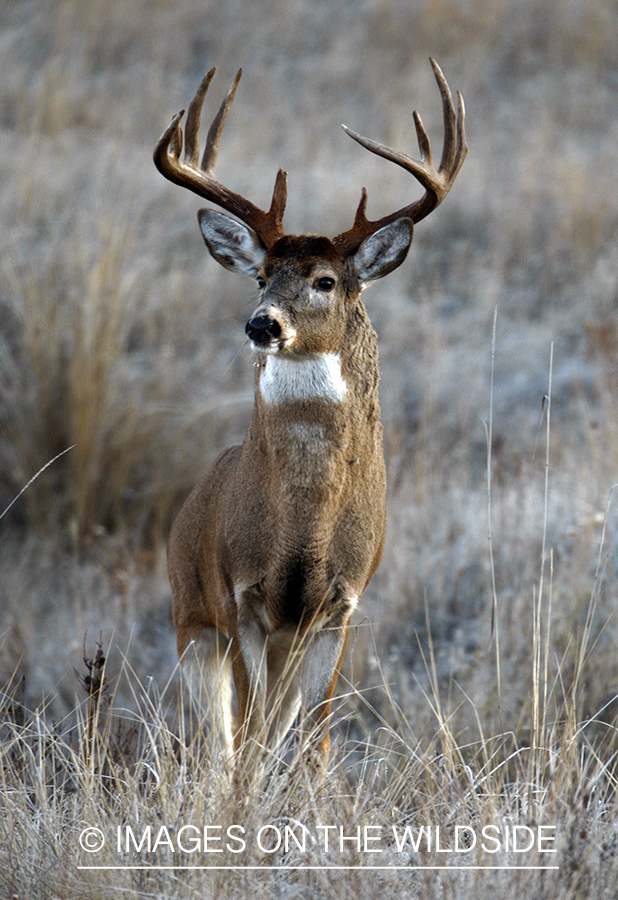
[201, 179]
[437, 184]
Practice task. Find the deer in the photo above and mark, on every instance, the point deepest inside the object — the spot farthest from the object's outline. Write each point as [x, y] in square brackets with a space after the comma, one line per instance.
[272, 550]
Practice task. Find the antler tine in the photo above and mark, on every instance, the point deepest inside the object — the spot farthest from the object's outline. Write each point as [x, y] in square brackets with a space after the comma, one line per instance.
[421, 136]
[192, 128]
[201, 179]
[280, 196]
[455, 147]
[216, 129]
[448, 111]
[437, 183]
[462, 146]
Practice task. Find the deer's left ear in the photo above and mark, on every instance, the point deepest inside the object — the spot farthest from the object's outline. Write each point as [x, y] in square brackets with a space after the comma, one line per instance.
[383, 251]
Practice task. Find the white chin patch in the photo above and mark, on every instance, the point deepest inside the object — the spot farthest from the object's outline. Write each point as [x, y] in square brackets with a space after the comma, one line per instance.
[287, 380]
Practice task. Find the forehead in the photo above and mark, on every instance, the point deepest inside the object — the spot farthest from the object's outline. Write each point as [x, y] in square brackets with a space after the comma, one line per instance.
[302, 253]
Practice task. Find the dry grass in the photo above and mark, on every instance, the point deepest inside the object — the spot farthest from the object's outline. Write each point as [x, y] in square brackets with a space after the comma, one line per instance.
[121, 338]
[144, 779]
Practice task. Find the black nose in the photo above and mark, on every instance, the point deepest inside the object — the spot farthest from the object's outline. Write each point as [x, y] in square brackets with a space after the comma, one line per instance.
[262, 329]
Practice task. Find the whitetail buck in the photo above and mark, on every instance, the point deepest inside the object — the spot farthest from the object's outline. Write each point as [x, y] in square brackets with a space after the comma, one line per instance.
[272, 550]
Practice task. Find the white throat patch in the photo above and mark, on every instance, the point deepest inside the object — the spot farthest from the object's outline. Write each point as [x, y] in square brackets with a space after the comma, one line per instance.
[286, 380]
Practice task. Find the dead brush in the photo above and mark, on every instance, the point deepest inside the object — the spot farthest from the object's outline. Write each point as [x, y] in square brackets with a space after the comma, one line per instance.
[95, 684]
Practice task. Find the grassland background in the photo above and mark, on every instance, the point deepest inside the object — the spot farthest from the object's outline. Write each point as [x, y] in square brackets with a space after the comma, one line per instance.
[119, 335]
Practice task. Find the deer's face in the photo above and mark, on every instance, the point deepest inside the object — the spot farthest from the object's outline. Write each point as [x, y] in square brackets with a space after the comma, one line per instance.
[306, 286]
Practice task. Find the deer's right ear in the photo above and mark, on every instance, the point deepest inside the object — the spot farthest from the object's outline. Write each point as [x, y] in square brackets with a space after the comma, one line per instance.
[383, 251]
[231, 243]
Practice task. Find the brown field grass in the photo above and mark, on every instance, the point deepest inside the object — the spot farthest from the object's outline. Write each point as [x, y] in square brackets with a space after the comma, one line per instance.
[481, 684]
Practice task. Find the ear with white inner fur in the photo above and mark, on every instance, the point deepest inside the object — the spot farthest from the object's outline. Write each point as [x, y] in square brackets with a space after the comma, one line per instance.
[231, 243]
[383, 251]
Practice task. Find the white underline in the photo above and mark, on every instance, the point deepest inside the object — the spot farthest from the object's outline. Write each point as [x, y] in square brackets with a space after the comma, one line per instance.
[321, 868]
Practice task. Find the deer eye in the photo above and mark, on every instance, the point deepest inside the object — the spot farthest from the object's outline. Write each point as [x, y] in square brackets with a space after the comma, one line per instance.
[325, 284]
[261, 282]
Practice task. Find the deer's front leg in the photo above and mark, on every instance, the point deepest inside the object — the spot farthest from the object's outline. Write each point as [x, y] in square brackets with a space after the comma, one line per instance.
[250, 677]
[320, 670]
